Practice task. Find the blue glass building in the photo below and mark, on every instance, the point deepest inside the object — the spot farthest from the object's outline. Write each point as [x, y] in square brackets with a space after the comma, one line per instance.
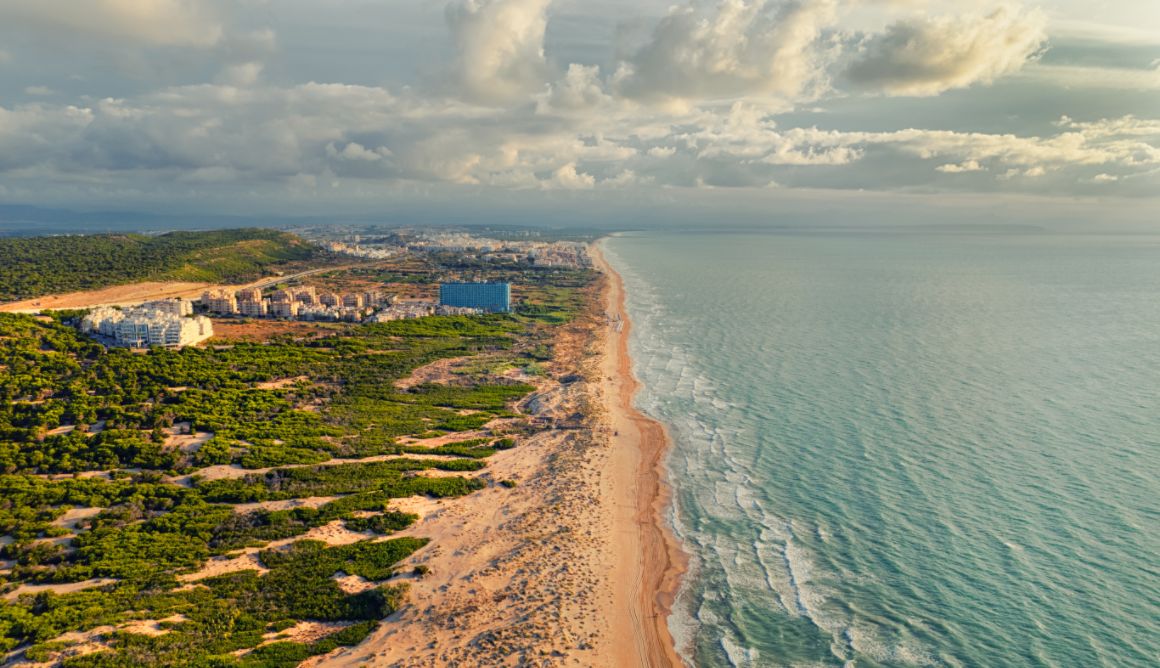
[491, 297]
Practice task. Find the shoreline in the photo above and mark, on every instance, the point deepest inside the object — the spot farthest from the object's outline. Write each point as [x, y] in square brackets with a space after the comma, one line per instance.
[648, 561]
[574, 566]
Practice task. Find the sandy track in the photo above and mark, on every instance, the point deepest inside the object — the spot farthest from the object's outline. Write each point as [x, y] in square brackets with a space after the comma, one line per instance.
[136, 293]
[120, 295]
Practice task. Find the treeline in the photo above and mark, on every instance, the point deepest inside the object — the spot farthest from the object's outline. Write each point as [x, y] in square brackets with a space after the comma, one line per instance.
[38, 266]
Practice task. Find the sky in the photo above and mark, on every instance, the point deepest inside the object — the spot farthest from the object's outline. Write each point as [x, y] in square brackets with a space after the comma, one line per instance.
[525, 109]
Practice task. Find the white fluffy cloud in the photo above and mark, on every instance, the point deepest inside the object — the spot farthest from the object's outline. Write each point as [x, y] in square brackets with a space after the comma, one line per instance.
[262, 133]
[156, 22]
[500, 47]
[960, 168]
[568, 178]
[730, 49]
[701, 100]
[930, 55]
[580, 90]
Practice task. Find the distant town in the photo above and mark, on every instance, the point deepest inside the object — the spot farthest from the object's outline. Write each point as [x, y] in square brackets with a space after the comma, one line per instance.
[535, 253]
[174, 323]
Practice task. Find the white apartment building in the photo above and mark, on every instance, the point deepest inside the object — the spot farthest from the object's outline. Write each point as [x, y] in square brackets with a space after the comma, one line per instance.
[146, 326]
[178, 307]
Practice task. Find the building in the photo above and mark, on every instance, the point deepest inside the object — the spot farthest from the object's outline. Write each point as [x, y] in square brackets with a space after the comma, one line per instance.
[254, 309]
[375, 298]
[305, 303]
[178, 307]
[404, 311]
[220, 301]
[456, 310]
[284, 309]
[490, 297]
[249, 295]
[307, 295]
[147, 326]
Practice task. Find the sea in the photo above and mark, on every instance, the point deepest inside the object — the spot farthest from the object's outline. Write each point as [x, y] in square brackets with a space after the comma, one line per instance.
[900, 447]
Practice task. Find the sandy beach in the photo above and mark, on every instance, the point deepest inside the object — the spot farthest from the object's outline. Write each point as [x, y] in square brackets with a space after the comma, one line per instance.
[648, 561]
[574, 566]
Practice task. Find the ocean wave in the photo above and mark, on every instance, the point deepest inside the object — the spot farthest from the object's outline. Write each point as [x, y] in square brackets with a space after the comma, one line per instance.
[761, 558]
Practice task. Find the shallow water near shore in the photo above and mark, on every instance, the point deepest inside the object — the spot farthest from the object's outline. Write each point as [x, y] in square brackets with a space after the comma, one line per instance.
[896, 449]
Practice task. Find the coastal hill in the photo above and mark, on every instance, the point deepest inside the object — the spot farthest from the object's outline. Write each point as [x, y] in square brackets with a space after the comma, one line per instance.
[39, 266]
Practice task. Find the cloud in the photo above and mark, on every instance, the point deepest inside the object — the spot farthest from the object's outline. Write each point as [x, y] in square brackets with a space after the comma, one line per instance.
[241, 74]
[568, 178]
[924, 57]
[357, 152]
[1031, 172]
[500, 46]
[730, 49]
[1097, 78]
[1124, 126]
[154, 22]
[203, 135]
[968, 166]
[580, 90]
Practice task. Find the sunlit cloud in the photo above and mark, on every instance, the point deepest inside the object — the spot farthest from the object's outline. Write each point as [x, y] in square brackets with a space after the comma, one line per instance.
[711, 95]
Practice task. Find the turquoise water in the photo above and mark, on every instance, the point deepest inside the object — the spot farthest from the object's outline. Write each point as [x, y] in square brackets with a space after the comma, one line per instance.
[907, 449]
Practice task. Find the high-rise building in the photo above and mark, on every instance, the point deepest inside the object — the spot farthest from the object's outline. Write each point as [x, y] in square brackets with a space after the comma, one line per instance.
[491, 297]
